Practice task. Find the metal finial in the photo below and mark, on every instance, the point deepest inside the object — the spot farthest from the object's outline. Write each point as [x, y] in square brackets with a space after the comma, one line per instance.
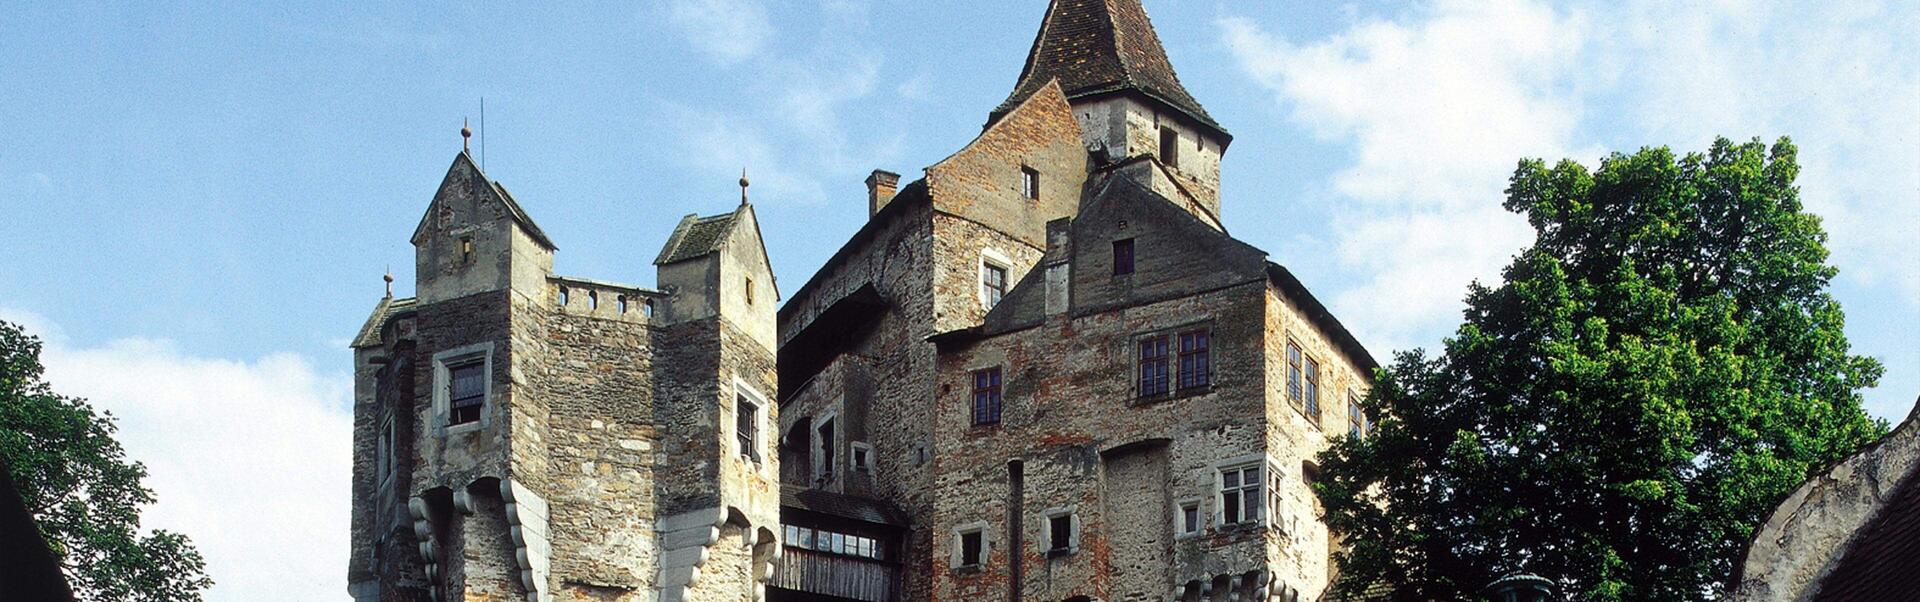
[389, 278]
[466, 134]
[743, 185]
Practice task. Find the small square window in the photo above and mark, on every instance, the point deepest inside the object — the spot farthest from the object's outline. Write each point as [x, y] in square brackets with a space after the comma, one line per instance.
[1189, 518]
[973, 550]
[1123, 257]
[1029, 183]
[862, 457]
[1060, 533]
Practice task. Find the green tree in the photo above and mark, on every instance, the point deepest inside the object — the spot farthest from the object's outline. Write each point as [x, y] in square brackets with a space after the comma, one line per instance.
[1653, 375]
[83, 491]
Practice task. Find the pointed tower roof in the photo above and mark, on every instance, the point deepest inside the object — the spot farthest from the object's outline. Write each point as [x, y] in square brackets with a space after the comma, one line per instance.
[1100, 47]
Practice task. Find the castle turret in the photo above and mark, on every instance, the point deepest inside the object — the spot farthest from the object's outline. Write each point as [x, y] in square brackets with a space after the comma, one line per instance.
[1125, 94]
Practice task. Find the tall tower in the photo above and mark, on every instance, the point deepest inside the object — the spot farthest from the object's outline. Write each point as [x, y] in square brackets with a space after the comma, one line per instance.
[1124, 92]
[521, 435]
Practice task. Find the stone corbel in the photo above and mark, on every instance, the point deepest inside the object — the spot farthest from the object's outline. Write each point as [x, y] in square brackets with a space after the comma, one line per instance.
[424, 518]
[527, 515]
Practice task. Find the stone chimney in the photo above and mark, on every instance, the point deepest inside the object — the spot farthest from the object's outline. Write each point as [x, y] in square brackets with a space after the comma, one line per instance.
[880, 188]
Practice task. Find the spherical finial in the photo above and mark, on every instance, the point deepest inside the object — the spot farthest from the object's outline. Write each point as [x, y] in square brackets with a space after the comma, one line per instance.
[389, 279]
[743, 185]
[466, 133]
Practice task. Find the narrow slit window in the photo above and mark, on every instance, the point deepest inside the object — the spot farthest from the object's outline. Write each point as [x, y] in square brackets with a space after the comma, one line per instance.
[1169, 146]
[1123, 257]
[747, 427]
[749, 291]
[1029, 183]
[1293, 372]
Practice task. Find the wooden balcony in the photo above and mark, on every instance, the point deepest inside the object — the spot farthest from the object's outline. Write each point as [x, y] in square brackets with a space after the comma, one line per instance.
[825, 576]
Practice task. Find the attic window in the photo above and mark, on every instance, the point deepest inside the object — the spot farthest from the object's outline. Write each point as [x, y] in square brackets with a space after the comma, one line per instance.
[466, 249]
[1169, 146]
[1123, 257]
[749, 291]
[1029, 183]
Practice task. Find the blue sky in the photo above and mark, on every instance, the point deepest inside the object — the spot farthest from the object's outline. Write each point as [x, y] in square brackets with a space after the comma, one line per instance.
[199, 200]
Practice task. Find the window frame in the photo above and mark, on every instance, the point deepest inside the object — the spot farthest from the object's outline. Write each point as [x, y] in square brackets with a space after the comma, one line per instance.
[1201, 354]
[1126, 267]
[1048, 520]
[1181, 528]
[992, 293]
[1357, 425]
[444, 363]
[1029, 183]
[1241, 492]
[994, 388]
[754, 449]
[958, 559]
[1155, 368]
[860, 455]
[1170, 364]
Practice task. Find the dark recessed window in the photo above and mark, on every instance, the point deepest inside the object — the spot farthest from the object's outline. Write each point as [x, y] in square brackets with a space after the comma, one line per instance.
[1123, 257]
[466, 391]
[1313, 389]
[1294, 384]
[1196, 365]
[1060, 533]
[466, 249]
[972, 550]
[1029, 183]
[749, 291]
[1169, 146]
[986, 396]
[1153, 366]
[747, 427]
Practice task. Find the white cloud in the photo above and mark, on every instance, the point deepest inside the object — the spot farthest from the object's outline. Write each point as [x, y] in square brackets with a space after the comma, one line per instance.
[1437, 104]
[728, 31]
[1437, 112]
[250, 459]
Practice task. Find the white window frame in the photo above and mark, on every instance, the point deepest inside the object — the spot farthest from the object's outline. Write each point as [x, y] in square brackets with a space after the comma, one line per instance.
[1073, 530]
[443, 384]
[955, 560]
[858, 449]
[1264, 493]
[742, 389]
[992, 257]
[1180, 530]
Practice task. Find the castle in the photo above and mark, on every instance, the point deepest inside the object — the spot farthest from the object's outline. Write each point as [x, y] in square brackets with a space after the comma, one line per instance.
[1041, 371]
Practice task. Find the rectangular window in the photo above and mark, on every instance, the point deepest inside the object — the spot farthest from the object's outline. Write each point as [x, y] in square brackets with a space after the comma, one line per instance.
[389, 439]
[986, 396]
[1060, 533]
[1123, 257]
[1029, 183]
[993, 284]
[1189, 518]
[1153, 366]
[1240, 496]
[1313, 389]
[1169, 146]
[1356, 420]
[1293, 372]
[862, 454]
[973, 550]
[749, 291]
[747, 427]
[824, 463]
[466, 391]
[1196, 369]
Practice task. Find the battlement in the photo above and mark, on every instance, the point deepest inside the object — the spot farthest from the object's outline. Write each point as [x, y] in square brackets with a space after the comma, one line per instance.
[605, 300]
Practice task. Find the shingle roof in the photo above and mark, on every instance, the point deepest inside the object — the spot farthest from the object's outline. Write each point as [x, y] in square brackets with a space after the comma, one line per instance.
[696, 237]
[1098, 47]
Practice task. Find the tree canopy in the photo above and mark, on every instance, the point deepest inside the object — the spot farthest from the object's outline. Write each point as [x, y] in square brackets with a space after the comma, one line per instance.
[83, 491]
[1650, 378]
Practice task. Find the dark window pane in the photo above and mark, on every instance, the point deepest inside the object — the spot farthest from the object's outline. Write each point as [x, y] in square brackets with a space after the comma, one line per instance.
[970, 548]
[986, 396]
[1061, 530]
[1122, 257]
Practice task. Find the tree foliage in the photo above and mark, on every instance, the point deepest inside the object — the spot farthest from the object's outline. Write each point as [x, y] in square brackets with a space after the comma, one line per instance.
[1652, 376]
[83, 491]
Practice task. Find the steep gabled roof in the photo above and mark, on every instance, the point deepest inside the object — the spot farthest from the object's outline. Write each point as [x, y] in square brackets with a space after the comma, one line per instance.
[464, 163]
[387, 308]
[696, 236]
[1100, 47]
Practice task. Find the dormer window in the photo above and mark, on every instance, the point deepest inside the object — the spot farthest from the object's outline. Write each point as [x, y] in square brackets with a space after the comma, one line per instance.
[1029, 183]
[1169, 146]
